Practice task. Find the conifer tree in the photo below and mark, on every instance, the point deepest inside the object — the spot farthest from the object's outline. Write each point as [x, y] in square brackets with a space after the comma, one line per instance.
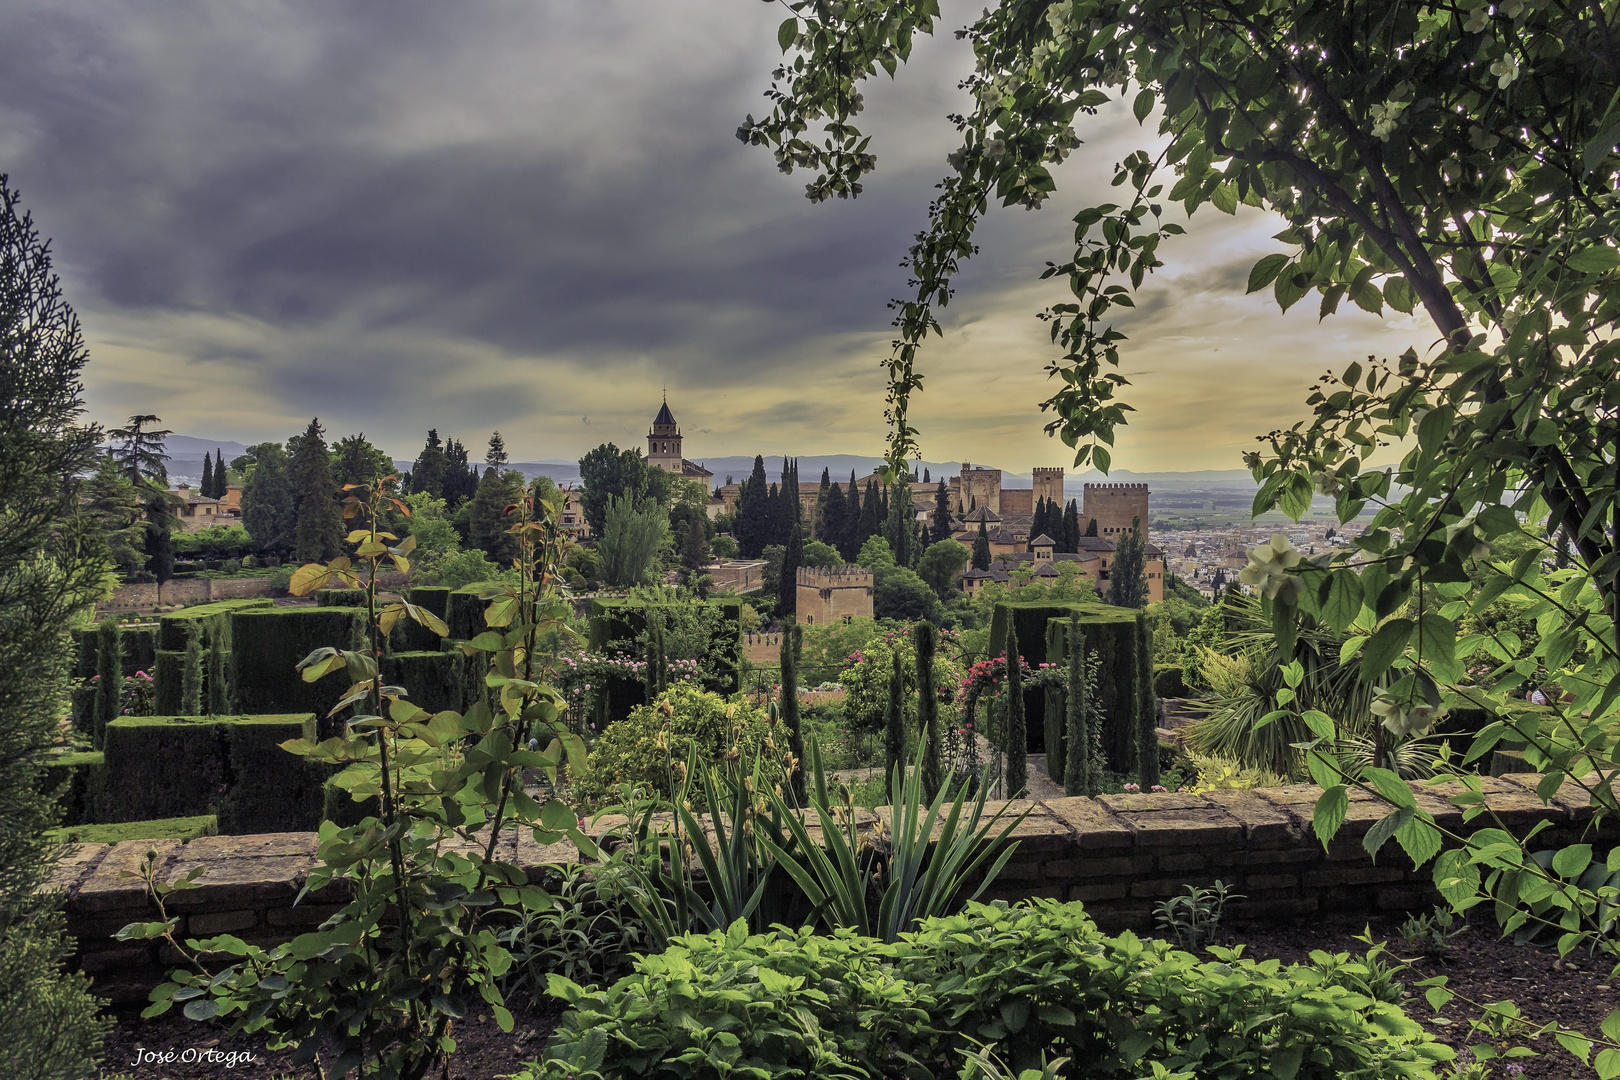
[1078, 778]
[318, 534]
[1127, 587]
[753, 526]
[1071, 528]
[850, 540]
[894, 728]
[487, 527]
[109, 679]
[1147, 708]
[943, 525]
[1016, 726]
[792, 538]
[461, 477]
[50, 570]
[206, 487]
[981, 549]
[427, 473]
[900, 526]
[1091, 527]
[218, 678]
[222, 482]
[830, 518]
[792, 642]
[873, 511]
[141, 457]
[926, 639]
[926, 479]
[191, 675]
[495, 456]
[268, 511]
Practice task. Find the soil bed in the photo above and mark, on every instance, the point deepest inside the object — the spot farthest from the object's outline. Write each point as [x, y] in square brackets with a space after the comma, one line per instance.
[483, 1052]
[1482, 967]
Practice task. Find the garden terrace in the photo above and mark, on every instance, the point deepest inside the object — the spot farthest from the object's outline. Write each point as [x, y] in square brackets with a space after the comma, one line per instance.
[1119, 854]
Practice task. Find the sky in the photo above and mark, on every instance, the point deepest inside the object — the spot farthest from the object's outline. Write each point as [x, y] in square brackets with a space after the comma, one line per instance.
[535, 217]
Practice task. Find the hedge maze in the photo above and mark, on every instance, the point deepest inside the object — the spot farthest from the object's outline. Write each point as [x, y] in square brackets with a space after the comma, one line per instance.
[226, 695]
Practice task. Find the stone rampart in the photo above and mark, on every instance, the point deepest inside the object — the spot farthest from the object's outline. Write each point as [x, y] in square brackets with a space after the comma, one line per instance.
[1119, 854]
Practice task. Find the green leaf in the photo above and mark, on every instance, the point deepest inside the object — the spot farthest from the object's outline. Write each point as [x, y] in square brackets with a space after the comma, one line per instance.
[1573, 1041]
[1384, 648]
[1595, 259]
[1285, 1062]
[1296, 496]
[1384, 828]
[1330, 811]
[1340, 598]
[1265, 271]
[1100, 458]
[1611, 1026]
[1438, 997]
[1572, 861]
[1144, 105]
[787, 33]
[1398, 294]
[1456, 877]
[1607, 1062]
[202, 1009]
[1224, 198]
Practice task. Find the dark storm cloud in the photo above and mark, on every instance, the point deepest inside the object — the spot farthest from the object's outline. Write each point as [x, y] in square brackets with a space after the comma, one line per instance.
[283, 164]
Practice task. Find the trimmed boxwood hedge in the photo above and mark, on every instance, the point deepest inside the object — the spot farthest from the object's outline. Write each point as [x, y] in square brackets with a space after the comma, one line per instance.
[138, 644]
[174, 629]
[433, 680]
[464, 612]
[168, 679]
[1110, 632]
[181, 828]
[161, 767]
[268, 789]
[79, 778]
[174, 766]
[1168, 681]
[340, 597]
[268, 647]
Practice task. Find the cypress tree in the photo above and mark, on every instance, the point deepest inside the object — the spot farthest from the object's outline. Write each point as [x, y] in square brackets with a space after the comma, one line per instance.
[656, 674]
[894, 729]
[873, 512]
[792, 512]
[159, 535]
[222, 481]
[821, 502]
[926, 639]
[50, 572]
[1017, 729]
[109, 678]
[191, 675]
[1077, 772]
[1071, 528]
[318, 534]
[753, 513]
[792, 641]
[849, 543]
[218, 685]
[830, 518]
[206, 488]
[900, 526]
[1127, 587]
[427, 473]
[1091, 527]
[943, 525]
[981, 549]
[1147, 709]
[487, 527]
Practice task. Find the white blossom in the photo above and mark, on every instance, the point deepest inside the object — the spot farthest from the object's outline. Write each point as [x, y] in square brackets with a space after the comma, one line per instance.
[1386, 117]
[1268, 569]
[1404, 723]
[1478, 19]
[1506, 69]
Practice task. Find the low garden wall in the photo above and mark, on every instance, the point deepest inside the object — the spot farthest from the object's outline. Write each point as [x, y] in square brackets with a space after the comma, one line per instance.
[144, 596]
[1119, 854]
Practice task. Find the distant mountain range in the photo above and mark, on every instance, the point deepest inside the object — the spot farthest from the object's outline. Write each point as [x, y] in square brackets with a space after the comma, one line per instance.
[186, 456]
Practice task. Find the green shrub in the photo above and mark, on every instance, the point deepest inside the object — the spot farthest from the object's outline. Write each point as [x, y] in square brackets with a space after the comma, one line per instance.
[650, 747]
[269, 789]
[464, 613]
[1110, 636]
[78, 777]
[433, 680]
[1169, 681]
[340, 597]
[179, 828]
[266, 648]
[619, 623]
[1032, 980]
[212, 619]
[168, 682]
[337, 805]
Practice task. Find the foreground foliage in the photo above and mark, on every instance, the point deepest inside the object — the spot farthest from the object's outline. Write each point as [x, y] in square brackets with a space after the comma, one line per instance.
[1032, 981]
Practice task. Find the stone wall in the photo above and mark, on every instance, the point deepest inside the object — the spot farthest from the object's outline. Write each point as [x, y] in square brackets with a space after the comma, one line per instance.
[143, 597]
[1119, 854]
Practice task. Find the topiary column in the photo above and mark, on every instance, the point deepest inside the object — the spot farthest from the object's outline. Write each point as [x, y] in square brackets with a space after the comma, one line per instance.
[218, 678]
[109, 679]
[894, 728]
[1077, 771]
[1017, 728]
[1147, 712]
[191, 674]
[792, 641]
[926, 639]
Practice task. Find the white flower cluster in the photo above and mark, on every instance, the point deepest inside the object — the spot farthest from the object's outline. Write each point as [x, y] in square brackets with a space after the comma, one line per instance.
[1404, 723]
[1268, 568]
[1386, 118]
[1506, 69]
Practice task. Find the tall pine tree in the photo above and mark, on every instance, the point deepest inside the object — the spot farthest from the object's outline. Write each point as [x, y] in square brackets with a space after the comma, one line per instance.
[318, 534]
[753, 525]
[792, 538]
[1127, 583]
[981, 549]
[487, 527]
[900, 527]
[830, 517]
[495, 456]
[1071, 528]
[872, 514]
[849, 542]
[222, 482]
[206, 488]
[427, 473]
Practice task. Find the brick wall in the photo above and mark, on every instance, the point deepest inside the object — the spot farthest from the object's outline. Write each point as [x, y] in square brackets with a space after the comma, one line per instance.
[1119, 854]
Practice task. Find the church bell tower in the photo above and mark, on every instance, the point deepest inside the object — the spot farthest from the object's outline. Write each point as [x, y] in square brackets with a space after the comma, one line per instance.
[664, 441]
